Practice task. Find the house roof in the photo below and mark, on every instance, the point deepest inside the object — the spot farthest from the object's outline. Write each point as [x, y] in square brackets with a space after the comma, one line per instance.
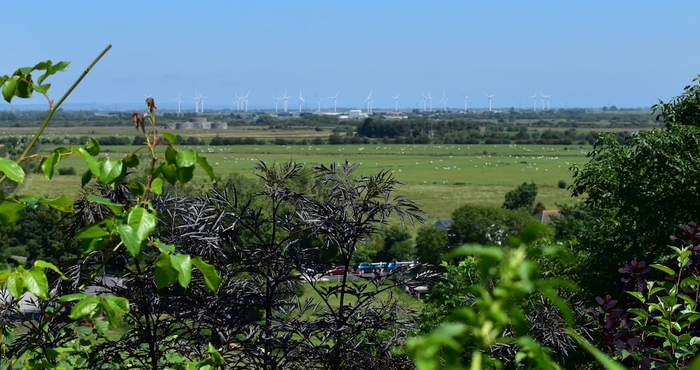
[443, 223]
[545, 216]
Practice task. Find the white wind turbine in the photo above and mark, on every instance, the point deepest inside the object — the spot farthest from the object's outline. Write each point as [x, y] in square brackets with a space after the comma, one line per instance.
[490, 97]
[444, 102]
[238, 102]
[285, 98]
[245, 100]
[543, 99]
[201, 106]
[335, 101]
[195, 98]
[276, 100]
[301, 101]
[534, 101]
[423, 100]
[319, 103]
[396, 102]
[466, 102]
[179, 101]
[430, 102]
[369, 102]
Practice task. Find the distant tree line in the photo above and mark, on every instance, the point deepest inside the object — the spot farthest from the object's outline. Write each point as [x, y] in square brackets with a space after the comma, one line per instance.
[468, 132]
[609, 117]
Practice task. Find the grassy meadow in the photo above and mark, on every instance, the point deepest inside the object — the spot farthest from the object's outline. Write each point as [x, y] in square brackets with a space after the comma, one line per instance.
[439, 177]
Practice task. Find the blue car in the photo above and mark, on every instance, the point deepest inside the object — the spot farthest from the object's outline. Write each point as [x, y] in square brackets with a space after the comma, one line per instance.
[368, 268]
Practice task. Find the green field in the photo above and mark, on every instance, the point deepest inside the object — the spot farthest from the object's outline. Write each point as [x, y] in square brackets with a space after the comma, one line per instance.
[439, 177]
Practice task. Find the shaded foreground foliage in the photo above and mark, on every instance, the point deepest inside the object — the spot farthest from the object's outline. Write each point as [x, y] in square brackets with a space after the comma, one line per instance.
[265, 249]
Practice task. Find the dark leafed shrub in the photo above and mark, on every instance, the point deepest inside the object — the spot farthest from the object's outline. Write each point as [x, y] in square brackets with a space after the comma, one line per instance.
[655, 325]
[66, 171]
[263, 243]
[561, 184]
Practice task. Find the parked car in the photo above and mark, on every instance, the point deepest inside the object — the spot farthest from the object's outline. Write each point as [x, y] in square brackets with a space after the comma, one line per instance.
[368, 268]
[338, 270]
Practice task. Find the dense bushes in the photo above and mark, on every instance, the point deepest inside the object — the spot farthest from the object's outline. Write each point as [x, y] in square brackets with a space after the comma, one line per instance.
[67, 171]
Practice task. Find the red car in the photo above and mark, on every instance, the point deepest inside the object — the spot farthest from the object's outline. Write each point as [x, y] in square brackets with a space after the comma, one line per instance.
[337, 270]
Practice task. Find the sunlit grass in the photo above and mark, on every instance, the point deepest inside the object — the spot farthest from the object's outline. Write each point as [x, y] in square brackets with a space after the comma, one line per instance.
[439, 177]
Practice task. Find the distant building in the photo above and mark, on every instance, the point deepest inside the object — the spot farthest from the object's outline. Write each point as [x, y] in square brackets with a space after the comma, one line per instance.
[356, 114]
[545, 216]
[196, 123]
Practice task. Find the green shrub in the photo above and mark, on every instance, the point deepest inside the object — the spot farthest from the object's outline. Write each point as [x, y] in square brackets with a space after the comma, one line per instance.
[67, 171]
[561, 184]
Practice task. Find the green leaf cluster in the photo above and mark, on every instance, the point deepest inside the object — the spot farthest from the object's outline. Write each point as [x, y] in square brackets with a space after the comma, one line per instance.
[21, 84]
[19, 280]
[173, 267]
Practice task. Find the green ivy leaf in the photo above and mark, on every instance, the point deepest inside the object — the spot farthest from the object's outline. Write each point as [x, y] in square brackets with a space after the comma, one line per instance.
[14, 286]
[112, 306]
[28, 200]
[58, 67]
[185, 174]
[131, 161]
[114, 207]
[183, 265]
[84, 307]
[110, 170]
[663, 268]
[23, 71]
[51, 69]
[90, 160]
[25, 87]
[690, 281]
[170, 155]
[157, 186]
[42, 89]
[9, 88]
[85, 179]
[47, 164]
[96, 244]
[48, 265]
[62, 203]
[202, 161]
[36, 283]
[186, 158]
[10, 211]
[71, 297]
[91, 231]
[211, 277]
[165, 248]
[165, 274]
[12, 170]
[638, 295]
[215, 355]
[169, 172]
[137, 189]
[41, 66]
[92, 146]
[142, 221]
[169, 136]
[130, 239]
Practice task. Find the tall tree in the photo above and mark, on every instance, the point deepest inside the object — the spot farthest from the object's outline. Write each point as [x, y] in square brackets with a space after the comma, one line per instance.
[522, 197]
[431, 243]
[636, 193]
[485, 225]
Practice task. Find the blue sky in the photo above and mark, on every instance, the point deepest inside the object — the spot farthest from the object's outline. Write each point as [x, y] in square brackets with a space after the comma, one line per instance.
[584, 53]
